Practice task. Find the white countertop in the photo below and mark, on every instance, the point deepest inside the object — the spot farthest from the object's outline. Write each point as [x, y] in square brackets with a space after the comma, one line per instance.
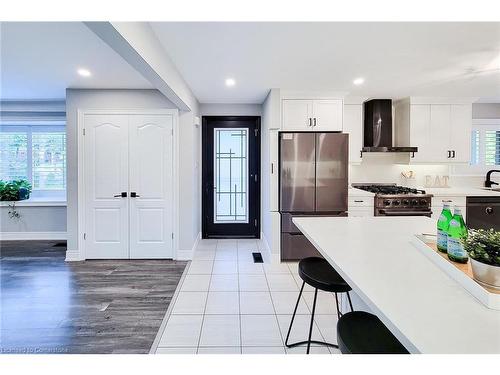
[461, 192]
[427, 310]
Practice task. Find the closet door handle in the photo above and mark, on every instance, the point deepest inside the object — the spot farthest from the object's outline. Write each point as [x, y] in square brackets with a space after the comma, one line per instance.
[133, 194]
[123, 194]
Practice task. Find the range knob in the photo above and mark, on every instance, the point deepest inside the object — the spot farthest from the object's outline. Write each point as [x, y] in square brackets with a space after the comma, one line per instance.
[406, 202]
[423, 202]
[414, 202]
[396, 203]
[387, 202]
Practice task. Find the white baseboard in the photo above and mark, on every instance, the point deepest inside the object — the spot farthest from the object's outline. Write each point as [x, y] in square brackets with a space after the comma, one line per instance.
[73, 256]
[27, 236]
[188, 254]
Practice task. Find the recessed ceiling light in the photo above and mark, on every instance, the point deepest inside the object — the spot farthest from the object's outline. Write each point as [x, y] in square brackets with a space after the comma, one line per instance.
[84, 72]
[358, 81]
[230, 82]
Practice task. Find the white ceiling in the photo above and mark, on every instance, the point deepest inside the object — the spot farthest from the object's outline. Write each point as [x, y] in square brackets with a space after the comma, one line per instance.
[39, 61]
[396, 59]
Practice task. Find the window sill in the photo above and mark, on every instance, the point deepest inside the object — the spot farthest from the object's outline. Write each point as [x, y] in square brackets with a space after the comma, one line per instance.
[37, 202]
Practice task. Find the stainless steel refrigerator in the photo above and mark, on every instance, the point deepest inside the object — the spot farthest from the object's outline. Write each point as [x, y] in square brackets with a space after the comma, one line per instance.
[313, 182]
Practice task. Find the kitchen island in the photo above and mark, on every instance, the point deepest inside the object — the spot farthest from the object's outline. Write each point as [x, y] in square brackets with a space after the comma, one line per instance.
[422, 306]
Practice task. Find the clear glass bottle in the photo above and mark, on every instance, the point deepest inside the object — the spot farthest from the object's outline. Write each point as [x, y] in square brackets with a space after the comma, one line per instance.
[457, 233]
[442, 227]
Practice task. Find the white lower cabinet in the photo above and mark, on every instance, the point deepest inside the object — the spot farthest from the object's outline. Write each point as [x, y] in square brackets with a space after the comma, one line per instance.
[360, 206]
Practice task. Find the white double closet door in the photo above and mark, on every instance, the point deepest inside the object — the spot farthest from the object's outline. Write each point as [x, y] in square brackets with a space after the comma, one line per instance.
[128, 154]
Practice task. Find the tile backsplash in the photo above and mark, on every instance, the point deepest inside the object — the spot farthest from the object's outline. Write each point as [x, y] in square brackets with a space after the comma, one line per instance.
[383, 168]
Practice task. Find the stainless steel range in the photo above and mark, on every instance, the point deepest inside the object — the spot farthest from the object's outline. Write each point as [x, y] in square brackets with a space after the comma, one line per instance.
[394, 200]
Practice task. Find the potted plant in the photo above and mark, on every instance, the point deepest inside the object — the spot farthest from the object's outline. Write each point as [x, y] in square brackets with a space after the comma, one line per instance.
[12, 191]
[15, 190]
[483, 247]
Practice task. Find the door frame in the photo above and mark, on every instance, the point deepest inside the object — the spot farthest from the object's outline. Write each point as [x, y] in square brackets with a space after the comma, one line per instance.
[204, 155]
[81, 205]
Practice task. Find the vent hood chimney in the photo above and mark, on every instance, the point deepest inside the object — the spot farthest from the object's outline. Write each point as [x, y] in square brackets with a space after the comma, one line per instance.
[378, 127]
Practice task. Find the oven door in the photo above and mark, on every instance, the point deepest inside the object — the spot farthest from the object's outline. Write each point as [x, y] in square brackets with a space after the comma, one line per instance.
[385, 212]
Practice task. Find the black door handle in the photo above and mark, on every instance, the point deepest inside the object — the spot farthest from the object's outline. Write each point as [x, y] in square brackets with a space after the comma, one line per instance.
[123, 194]
[133, 194]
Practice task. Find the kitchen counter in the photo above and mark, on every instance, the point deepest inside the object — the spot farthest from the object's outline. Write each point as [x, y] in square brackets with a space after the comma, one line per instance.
[460, 192]
[427, 310]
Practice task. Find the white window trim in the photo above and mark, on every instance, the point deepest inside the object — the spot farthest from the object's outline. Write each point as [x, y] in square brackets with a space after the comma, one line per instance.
[48, 195]
[480, 169]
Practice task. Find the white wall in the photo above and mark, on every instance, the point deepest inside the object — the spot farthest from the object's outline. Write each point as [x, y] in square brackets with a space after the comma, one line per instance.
[486, 110]
[218, 109]
[33, 219]
[188, 155]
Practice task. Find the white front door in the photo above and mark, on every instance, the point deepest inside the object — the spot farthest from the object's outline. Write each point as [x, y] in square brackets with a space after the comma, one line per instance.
[151, 152]
[128, 186]
[106, 177]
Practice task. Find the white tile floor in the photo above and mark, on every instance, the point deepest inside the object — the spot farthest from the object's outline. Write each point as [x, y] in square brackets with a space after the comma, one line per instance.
[228, 304]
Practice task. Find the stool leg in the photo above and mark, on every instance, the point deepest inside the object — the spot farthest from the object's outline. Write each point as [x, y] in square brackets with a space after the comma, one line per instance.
[312, 321]
[350, 302]
[339, 314]
[294, 312]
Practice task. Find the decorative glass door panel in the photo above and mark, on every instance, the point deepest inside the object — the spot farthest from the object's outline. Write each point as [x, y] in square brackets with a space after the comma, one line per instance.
[231, 175]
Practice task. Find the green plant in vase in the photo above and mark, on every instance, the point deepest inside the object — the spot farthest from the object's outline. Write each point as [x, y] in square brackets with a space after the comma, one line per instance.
[483, 247]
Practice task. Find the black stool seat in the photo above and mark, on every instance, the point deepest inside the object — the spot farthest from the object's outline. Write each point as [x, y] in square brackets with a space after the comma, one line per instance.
[360, 332]
[318, 273]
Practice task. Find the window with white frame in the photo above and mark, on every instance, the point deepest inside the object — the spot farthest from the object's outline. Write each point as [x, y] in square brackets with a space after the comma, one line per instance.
[485, 147]
[36, 153]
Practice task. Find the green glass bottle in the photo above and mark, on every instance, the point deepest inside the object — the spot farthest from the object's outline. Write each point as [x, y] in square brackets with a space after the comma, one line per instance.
[457, 233]
[442, 227]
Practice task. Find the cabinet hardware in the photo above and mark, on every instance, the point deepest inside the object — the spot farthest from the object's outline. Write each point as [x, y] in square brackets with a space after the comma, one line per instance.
[314, 121]
[123, 194]
[449, 154]
[272, 168]
[133, 194]
[310, 121]
[453, 154]
[358, 201]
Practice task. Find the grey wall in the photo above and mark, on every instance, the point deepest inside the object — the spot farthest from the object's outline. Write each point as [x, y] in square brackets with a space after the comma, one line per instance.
[486, 110]
[34, 219]
[189, 217]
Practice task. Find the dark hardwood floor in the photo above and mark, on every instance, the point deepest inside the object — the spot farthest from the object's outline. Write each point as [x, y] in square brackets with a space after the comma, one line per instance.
[97, 306]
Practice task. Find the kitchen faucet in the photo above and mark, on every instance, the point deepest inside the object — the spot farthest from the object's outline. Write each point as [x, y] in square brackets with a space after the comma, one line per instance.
[488, 181]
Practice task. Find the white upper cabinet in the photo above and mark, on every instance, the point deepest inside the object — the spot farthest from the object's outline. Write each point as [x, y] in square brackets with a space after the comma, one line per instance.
[460, 132]
[328, 115]
[353, 125]
[297, 114]
[440, 131]
[312, 115]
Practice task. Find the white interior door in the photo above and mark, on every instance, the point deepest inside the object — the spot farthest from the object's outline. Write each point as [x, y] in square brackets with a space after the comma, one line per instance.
[150, 158]
[106, 177]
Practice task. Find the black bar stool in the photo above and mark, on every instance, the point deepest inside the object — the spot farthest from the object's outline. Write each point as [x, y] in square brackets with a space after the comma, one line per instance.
[360, 332]
[319, 274]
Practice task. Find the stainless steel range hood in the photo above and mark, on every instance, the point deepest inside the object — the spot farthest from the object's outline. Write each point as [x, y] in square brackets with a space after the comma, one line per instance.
[378, 127]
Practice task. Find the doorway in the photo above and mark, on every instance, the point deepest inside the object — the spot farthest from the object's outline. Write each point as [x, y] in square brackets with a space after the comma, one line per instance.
[230, 178]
